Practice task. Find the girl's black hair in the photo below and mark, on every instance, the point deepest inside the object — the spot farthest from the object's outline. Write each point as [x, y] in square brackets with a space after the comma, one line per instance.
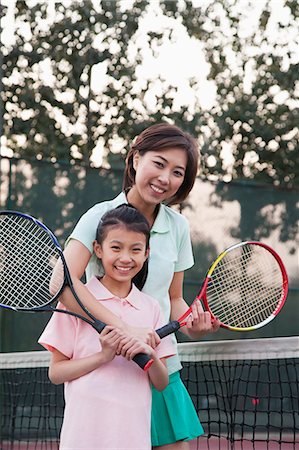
[133, 220]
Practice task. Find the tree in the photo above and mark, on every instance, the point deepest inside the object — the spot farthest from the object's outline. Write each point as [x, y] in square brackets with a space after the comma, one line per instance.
[255, 69]
[250, 132]
[51, 110]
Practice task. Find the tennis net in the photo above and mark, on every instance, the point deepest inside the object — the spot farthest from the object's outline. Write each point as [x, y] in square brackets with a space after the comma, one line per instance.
[246, 393]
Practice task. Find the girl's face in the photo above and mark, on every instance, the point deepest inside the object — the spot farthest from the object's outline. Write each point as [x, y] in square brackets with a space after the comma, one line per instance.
[159, 174]
[123, 253]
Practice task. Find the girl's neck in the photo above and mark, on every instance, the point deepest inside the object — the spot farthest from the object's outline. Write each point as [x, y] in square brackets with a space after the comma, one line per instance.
[149, 211]
[119, 289]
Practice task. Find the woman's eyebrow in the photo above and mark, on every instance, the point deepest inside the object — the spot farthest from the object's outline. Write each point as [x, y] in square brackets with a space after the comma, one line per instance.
[166, 161]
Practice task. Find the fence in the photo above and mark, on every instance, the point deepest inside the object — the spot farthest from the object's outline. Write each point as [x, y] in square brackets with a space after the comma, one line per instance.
[220, 214]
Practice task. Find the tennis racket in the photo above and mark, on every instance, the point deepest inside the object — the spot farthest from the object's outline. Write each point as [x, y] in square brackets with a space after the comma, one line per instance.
[33, 271]
[245, 288]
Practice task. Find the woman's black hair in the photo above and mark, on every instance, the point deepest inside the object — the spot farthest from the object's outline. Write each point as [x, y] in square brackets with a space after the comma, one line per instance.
[163, 136]
[128, 216]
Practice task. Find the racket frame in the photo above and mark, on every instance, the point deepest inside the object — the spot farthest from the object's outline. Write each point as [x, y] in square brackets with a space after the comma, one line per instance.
[177, 324]
[143, 360]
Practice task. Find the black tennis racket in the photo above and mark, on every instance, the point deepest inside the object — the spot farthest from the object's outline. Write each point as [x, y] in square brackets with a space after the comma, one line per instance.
[245, 288]
[33, 271]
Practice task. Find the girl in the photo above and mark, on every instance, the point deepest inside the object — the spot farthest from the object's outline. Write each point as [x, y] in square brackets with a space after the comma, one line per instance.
[161, 168]
[108, 398]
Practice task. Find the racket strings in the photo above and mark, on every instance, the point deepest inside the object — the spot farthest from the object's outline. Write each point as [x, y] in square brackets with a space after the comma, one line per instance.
[241, 305]
[245, 287]
[27, 259]
[30, 284]
[25, 279]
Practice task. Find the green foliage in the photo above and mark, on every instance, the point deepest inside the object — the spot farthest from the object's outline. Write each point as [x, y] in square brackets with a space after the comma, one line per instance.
[257, 118]
[52, 109]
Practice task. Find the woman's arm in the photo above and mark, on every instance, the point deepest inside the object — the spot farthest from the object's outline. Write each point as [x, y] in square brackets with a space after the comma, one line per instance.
[201, 321]
[77, 257]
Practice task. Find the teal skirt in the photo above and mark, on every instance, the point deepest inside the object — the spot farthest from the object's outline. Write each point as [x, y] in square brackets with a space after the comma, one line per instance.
[174, 417]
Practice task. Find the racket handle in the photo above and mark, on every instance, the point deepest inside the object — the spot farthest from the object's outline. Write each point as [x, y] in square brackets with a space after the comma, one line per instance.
[143, 361]
[98, 325]
[171, 327]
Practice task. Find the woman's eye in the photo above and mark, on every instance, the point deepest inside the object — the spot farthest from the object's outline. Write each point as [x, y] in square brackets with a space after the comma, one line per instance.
[159, 164]
[178, 173]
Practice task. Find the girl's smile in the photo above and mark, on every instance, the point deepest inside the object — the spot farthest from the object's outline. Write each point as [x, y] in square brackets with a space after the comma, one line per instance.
[123, 253]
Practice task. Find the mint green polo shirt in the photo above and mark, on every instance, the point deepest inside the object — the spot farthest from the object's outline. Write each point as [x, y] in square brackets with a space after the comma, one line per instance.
[170, 252]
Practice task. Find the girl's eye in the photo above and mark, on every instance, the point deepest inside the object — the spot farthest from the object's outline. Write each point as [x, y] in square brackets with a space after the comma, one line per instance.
[115, 247]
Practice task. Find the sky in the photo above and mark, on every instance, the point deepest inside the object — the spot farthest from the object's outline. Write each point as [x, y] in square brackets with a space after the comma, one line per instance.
[179, 48]
[178, 59]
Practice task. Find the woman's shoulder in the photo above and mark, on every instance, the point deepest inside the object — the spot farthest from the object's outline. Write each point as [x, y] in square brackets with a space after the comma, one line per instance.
[175, 217]
[143, 297]
[102, 207]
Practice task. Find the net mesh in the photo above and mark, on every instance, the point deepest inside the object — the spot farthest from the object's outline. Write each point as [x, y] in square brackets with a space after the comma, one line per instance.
[245, 392]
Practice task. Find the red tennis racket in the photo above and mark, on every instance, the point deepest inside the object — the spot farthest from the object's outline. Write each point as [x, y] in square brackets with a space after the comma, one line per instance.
[245, 288]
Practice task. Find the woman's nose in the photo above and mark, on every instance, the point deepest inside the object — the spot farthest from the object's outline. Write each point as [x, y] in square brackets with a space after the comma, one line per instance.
[164, 177]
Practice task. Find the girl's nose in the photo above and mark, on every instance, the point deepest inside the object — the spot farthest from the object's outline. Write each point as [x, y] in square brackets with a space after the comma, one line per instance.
[125, 257]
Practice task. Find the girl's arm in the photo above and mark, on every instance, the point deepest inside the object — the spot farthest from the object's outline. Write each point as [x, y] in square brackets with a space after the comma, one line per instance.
[77, 257]
[201, 321]
[64, 369]
[158, 373]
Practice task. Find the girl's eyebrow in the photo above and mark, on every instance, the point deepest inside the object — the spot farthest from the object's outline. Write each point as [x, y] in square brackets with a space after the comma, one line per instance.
[115, 241]
[166, 161]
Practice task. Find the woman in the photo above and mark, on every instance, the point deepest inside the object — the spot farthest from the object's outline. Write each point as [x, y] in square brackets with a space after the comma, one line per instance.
[161, 168]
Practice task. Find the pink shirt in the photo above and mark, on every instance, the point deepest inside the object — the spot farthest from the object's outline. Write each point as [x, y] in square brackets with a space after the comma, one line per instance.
[109, 408]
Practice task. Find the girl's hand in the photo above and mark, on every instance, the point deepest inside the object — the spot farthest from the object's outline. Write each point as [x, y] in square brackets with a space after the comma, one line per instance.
[146, 335]
[110, 338]
[200, 322]
[130, 347]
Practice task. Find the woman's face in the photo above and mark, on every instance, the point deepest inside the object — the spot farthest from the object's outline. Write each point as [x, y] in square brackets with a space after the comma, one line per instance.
[159, 174]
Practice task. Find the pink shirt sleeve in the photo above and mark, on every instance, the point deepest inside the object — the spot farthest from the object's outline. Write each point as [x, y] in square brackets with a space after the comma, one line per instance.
[165, 349]
[60, 333]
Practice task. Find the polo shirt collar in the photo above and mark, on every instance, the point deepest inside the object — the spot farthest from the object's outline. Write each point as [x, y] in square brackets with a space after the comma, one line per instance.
[100, 292]
[161, 224]
[120, 199]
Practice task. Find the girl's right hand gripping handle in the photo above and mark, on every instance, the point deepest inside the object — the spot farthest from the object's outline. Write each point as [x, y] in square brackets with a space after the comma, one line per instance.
[143, 360]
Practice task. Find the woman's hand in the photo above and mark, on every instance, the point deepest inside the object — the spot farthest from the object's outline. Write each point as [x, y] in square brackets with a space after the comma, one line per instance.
[200, 322]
